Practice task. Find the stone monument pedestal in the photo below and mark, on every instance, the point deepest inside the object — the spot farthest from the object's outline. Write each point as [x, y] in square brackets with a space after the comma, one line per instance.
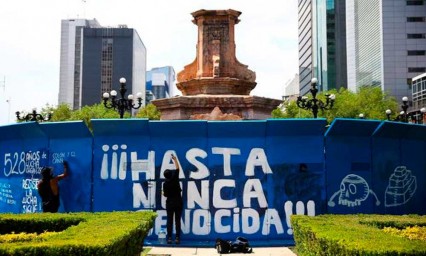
[216, 78]
[244, 106]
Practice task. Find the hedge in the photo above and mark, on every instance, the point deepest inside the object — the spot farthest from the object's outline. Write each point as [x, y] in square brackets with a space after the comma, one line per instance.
[103, 233]
[355, 235]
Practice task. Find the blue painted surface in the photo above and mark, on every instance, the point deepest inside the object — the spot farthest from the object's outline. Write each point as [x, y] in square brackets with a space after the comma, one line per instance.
[23, 151]
[71, 142]
[239, 178]
[399, 167]
[115, 143]
[349, 173]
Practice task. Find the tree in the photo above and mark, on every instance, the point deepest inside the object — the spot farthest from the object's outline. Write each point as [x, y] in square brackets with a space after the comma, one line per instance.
[96, 111]
[61, 113]
[150, 111]
[369, 100]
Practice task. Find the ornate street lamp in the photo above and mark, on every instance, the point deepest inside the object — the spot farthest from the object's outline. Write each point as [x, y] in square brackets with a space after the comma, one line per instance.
[33, 116]
[315, 104]
[122, 104]
[402, 117]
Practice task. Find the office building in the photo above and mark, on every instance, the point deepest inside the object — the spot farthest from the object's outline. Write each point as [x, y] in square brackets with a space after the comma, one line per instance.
[108, 55]
[96, 58]
[362, 43]
[291, 89]
[419, 95]
[386, 44]
[70, 60]
[160, 82]
[322, 44]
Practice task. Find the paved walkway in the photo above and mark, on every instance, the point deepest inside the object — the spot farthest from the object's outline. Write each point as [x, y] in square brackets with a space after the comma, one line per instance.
[182, 251]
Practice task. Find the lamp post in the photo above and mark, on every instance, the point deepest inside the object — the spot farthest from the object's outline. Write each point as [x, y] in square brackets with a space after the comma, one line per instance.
[122, 104]
[421, 116]
[315, 104]
[33, 116]
[402, 117]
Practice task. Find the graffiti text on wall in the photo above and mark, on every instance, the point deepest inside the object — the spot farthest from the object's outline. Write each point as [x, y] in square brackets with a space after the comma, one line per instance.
[58, 157]
[207, 201]
[6, 194]
[26, 165]
[29, 200]
[18, 163]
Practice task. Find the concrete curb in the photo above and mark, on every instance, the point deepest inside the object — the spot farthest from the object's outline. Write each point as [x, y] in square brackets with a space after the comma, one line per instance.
[182, 251]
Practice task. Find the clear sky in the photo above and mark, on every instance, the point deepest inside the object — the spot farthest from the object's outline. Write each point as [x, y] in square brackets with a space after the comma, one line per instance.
[266, 41]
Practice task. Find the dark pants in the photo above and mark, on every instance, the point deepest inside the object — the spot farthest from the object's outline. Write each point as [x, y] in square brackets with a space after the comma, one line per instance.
[173, 209]
[51, 206]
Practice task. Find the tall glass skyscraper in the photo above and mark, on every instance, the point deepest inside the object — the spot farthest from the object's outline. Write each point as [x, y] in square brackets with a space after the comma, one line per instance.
[364, 43]
[322, 44]
[305, 45]
[357, 43]
[386, 44]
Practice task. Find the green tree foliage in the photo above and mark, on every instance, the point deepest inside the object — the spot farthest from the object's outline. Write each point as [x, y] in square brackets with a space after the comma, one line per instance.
[61, 113]
[96, 111]
[150, 111]
[369, 100]
[64, 113]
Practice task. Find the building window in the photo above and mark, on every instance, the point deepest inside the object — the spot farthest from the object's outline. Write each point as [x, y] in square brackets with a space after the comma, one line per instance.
[106, 64]
[415, 19]
[416, 53]
[416, 36]
[415, 2]
[416, 70]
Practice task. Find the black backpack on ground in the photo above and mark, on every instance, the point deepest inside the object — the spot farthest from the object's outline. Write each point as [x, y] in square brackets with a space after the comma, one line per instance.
[223, 246]
[240, 245]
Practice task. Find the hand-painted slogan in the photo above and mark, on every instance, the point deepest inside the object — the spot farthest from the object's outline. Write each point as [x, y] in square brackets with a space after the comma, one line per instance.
[218, 201]
[238, 178]
[22, 170]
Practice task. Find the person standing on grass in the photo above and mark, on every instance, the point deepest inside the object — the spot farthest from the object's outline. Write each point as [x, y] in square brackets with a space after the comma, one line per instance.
[174, 203]
[48, 188]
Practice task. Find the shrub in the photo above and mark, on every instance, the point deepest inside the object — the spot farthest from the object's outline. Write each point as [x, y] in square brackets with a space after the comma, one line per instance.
[355, 235]
[114, 233]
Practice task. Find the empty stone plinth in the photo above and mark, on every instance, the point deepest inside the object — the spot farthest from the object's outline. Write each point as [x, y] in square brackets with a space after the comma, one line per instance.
[216, 78]
[245, 106]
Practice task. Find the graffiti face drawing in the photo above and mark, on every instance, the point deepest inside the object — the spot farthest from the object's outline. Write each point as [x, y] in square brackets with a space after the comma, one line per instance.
[353, 190]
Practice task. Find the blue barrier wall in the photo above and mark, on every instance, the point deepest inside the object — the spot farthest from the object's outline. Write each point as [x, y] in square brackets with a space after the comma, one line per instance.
[350, 188]
[297, 183]
[71, 142]
[23, 151]
[399, 167]
[120, 153]
[239, 178]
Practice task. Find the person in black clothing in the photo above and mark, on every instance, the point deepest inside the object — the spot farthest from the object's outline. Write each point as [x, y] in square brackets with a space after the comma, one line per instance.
[174, 203]
[48, 188]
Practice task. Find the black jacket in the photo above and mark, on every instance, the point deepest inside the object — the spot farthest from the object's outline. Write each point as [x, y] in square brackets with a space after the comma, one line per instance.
[171, 188]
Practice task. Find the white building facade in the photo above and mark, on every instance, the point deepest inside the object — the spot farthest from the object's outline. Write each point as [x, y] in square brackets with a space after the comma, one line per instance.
[70, 59]
[386, 44]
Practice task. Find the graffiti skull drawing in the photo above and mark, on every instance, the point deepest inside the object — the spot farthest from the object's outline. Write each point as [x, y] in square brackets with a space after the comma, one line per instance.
[353, 190]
